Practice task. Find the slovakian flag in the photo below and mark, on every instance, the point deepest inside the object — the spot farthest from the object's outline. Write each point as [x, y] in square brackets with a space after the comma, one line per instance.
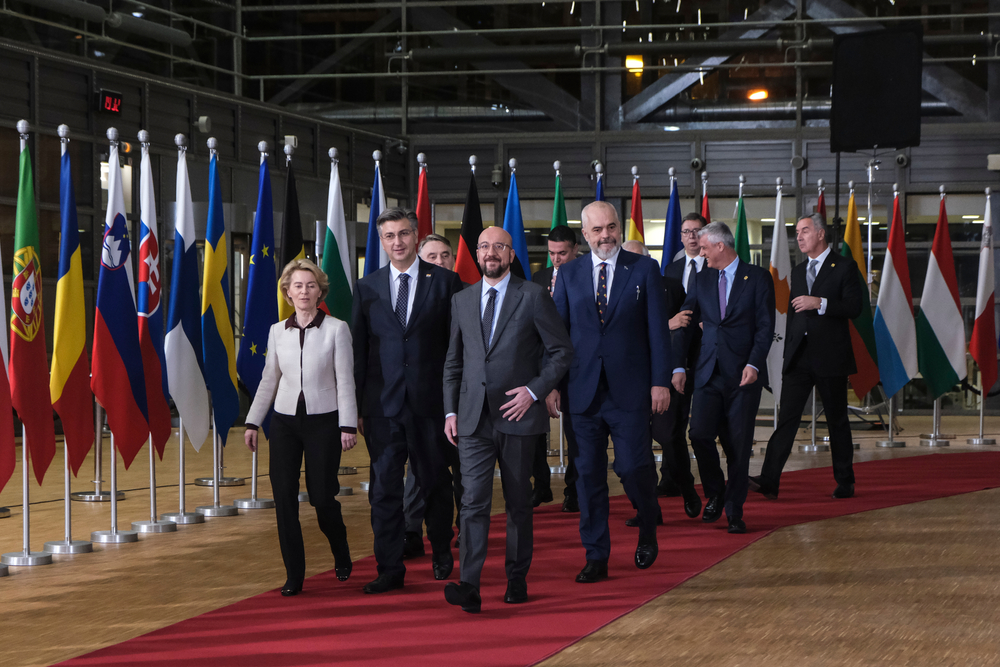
[336, 255]
[29, 362]
[741, 235]
[780, 268]
[599, 191]
[118, 380]
[861, 327]
[983, 344]
[672, 230]
[895, 329]
[182, 347]
[292, 245]
[513, 224]
[219, 355]
[940, 328]
[425, 225]
[466, 260]
[559, 218]
[635, 231]
[8, 455]
[69, 381]
[375, 255]
[150, 314]
[261, 309]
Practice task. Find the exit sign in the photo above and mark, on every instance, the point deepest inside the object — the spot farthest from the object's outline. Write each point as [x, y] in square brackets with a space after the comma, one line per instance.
[109, 102]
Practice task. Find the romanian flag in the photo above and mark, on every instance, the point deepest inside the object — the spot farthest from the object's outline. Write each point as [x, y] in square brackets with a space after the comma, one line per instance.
[466, 261]
[29, 362]
[292, 245]
[425, 225]
[69, 382]
[635, 231]
[336, 256]
[862, 327]
[218, 349]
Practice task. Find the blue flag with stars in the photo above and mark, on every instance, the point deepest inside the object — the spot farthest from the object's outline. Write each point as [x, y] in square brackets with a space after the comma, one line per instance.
[262, 288]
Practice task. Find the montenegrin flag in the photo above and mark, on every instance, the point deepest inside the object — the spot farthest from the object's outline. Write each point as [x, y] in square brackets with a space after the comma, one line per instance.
[336, 256]
[861, 327]
[983, 345]
[780, 268]
[635, 231]
[118, 380]
[513, 224]
[895, 330]
[375, 255]
[69, 383]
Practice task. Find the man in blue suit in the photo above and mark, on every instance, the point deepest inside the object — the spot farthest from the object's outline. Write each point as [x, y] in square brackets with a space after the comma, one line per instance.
[734, 301]
[613, 304]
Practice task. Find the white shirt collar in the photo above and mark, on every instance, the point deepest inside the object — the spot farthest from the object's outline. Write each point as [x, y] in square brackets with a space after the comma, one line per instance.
[822, 257]
[412, 271]
[500, 287]
[611, 261]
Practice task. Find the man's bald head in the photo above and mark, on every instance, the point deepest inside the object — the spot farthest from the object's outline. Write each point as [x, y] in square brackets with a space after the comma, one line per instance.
[637, 247]
[601, 228]
[495, 235]
[495, 253]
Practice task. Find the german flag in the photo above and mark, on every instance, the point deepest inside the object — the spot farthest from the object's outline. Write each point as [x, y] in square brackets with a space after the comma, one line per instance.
[292, 246]
[466, 264]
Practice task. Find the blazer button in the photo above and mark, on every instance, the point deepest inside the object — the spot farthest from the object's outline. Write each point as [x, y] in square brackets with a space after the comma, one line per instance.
[484, 384]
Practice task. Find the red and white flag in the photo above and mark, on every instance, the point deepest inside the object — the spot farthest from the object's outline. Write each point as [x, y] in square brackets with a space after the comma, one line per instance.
[983, 345]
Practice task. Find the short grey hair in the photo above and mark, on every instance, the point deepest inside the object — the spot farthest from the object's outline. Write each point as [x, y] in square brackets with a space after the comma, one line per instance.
[396, 213]
[818, 223]
[718, 232]
[637, 247]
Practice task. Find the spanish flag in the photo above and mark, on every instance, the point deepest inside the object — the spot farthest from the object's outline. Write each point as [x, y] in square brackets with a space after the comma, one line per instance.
[635, 231]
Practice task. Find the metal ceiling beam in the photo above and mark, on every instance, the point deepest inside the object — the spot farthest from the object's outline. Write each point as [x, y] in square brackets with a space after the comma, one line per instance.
[668, 87]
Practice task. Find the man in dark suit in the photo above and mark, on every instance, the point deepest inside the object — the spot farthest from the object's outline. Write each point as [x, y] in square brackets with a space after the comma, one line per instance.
[400, 334]
[562, 245]
[825, 297]
[613, 305]
[735, 303]
[507, 351]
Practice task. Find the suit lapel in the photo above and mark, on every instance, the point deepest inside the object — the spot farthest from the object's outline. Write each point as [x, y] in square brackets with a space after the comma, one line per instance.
[824, 271]
[510, 301]
[709, 280]
[424, 277]
[623, 275]
[740, 279]
[384, 293]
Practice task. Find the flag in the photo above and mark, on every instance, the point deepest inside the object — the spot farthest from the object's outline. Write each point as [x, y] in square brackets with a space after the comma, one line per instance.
[219, 358]
[895, 330]
[336, 256]
[599, 193]
[780, 267]
[29, 363]
[672, 230]
[861, 327]
[8, 456]
[705, 213]
[424, 223]
[69, 382]
[741, 234]
[940, 329]
[821, 206]
[292, 245]
[635, 231]
[466, 262]
[261, 309]
[513, 224]
[559, 218]
[182, 347]
[375, 255]
[117, 373]
[150, 314]
[983, 344]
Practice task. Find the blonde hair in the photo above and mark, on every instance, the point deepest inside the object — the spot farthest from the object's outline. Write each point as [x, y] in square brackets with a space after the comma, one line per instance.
[303, 265]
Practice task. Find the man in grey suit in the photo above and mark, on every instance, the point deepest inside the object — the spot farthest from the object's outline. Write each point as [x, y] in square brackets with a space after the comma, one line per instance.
[508, 351]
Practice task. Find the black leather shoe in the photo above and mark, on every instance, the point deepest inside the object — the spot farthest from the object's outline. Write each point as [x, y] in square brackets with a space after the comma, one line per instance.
[692, 503]
[443, 564]
[291, 588]
[384, 583]
[843, 491]
[737, 526]
[633, 522]
[464, 595]
[713, 509]
[592, 572]
[342, 561]
[413, 545]
[758, 484]
[667, 489]
[539, 496]
[570, 504]
[517, 591]
[646, 552]
[343, 572]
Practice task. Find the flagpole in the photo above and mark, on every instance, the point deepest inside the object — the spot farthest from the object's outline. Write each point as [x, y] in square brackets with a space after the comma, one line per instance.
[982, 440]
[891, 442]
[153, 526]
[872, 168]
[561, 468]
[26, 556]
[98, 495]
[216, 508]
[182, 516]
[114, 536]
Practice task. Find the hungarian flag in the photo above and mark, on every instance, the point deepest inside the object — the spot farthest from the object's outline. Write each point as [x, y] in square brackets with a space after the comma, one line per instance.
[940, 329]
[742, 236]
[513, 224]
[635, 231]
[69, 382]
[29, 363]
[336, 255]
[118, 380]
[672, 230]
[292, 245]
[375, 255]
[150, 314]
[466, 262]
[895, 330]
[780, 268]
[862, 328]
[8, 457]
[559, 218]
[983, 344]
[425, 225]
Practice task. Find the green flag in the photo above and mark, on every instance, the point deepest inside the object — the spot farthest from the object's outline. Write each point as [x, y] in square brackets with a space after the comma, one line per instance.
[336, 259]
[741, 234]
[558, 212]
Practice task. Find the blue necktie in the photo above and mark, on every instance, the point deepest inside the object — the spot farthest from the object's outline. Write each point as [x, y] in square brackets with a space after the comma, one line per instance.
[402, 297]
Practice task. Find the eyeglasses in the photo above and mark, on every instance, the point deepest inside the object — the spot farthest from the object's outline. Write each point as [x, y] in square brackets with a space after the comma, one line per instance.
[690, 232]
[499, 247]
[403, 235]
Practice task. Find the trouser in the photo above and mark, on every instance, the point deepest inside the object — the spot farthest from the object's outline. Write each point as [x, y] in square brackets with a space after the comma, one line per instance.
[414, 504]
[540, 466]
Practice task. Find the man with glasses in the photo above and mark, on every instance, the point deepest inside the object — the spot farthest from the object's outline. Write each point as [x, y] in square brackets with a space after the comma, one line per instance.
[401, 321]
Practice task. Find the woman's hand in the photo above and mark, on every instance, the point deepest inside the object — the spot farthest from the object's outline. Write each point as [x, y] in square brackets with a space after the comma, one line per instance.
[347, 441]
[250, 438]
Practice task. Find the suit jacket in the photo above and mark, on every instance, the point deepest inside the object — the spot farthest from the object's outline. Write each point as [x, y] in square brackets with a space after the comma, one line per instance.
[530, 347]
[543, 278]
[830, 351]
[744, 336]
[675, 270]
[393, 365]
[632, 346]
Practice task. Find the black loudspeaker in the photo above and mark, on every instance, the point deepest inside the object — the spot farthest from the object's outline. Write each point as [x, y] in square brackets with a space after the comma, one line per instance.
[876, 89]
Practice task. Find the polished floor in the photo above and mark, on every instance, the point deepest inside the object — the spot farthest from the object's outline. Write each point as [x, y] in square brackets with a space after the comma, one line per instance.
[912, 585]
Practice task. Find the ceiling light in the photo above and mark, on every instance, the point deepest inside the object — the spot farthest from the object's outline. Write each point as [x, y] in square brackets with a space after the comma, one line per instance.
[969, 217]
[757, 95]
[634, 64]
[671, 128]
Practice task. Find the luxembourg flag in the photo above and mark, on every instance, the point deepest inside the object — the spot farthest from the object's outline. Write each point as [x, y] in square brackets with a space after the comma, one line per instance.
[780, 268]
[182, 349]
[895, 330]
[117, 373]
[983, 344]
[375, 259]
[149, 311]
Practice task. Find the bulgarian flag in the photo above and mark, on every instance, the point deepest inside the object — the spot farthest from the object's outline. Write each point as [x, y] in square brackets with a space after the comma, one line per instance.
[741, 233]
[336, 258]
[940, 329]
[635, 231]
[862, 327]
[983, 345]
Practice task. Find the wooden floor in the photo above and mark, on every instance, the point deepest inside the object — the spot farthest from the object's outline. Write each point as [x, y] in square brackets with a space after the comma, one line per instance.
[914, 585]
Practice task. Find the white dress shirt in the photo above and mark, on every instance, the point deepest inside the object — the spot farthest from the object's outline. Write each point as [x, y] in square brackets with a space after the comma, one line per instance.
[501, 288]
[394, 285]
[699, 264]
[819, 267]
[609, 270]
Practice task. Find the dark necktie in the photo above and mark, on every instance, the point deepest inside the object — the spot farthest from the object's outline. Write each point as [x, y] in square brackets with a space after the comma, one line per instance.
[811, 274]
[402, 296]
[722, 295]
[491, 305]
[690, 281]
[602, 291]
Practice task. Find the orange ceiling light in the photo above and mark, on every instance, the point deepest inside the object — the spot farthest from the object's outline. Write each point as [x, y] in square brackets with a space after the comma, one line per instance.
[757, 95]
[634, 64]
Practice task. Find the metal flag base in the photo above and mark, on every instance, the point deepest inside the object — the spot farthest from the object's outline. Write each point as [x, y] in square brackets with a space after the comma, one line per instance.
[935, 441]
[826, 439]
[183, 517]
[557, 470]
[26, 558]
[937, 436]
[980, 441]
[364, 486]
[71, 547]
[555, 452]
[345, 491]
[814, 448]
[94, 496]
[223, 481]
[254, 503]
[154, 526]
[4, 571]
[114, 536]
[217, 510]
[303, 497]
[347, 470]
[4, 512]
[890, 443]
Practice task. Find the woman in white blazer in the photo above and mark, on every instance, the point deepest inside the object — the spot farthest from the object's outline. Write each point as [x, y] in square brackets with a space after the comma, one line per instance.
[309, 377]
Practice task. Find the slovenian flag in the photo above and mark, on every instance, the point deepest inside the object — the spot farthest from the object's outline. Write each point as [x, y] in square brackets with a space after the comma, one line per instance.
[375, 255]
[336, 257]
[983, 345]
[895, 330]
[118, 381]
[780, 268]
[513, 224]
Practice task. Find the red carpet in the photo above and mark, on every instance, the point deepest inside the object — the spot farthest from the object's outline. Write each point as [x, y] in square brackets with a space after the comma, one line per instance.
[335, 623]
